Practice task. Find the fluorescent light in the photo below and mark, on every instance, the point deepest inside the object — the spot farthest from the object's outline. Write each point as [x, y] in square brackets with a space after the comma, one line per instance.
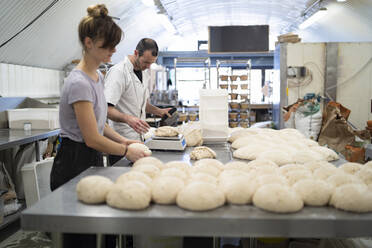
[149, 3]
[341, 1]
[164, 20]
[314, 18]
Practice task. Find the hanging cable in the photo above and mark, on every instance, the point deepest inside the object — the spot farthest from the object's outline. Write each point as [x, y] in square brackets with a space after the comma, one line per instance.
[29, 24]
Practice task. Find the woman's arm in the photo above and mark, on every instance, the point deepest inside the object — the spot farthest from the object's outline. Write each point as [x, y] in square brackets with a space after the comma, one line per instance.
[115, 136]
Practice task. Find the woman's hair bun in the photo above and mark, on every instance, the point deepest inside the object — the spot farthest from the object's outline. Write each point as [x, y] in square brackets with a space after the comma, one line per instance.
[98, 10]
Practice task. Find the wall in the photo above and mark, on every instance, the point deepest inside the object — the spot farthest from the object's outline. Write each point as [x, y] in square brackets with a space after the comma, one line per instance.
[16, 80]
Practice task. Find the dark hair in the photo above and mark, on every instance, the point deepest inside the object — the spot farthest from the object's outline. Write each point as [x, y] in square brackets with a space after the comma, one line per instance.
[98, 25]
[147, 44]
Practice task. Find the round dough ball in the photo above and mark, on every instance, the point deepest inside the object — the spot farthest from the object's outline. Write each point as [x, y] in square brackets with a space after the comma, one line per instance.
[239, 191]
[352, 197]
[134, 176]
[368, 164]
[304, 156]
[238, 165]
[250, 152]
[285, 169]
[277, 156]
[175, 172]
[206, 168]
[262, 162]
[328, 154]
[166, 131]
[314, 192]
[200, 196]
[165, 189]
[150, 160]
[149, 169]
[201, 152]
[277, 198]
[132, 195]
[313, 165]
[141, 147]
[324, 173]
[230, 175]
[365, 174]
[202, 177]
[241, 133]
[298, 175]
[265, 170]
[210, 161]
[343, 178]
[93, 189]
[271, 179]
[350, 168]
[185, 167]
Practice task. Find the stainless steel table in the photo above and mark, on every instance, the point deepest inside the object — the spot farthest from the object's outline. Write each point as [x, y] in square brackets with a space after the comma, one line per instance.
[14, 137]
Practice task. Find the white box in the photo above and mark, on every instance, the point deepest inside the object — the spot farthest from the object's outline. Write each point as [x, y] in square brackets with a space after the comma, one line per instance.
[36, 180]
[213, 115]
[39, 118]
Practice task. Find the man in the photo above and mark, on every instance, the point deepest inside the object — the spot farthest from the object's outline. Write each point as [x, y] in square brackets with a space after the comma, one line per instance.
[126, 91]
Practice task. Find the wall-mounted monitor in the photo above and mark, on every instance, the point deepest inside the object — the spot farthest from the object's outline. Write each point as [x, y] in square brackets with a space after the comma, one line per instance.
[238, 39]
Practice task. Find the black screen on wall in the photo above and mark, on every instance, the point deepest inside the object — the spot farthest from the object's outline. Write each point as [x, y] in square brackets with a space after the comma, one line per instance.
[231, 39]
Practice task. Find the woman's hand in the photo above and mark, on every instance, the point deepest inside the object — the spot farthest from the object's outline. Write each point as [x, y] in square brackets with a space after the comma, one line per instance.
[133, 154]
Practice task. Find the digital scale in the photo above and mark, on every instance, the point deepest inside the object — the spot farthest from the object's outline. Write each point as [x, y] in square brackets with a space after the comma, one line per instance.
[176, 143]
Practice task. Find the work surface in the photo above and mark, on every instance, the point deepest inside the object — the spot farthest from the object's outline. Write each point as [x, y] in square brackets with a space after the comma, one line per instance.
[62, 212]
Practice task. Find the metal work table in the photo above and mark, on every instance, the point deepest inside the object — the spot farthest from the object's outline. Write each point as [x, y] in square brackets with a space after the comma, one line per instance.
[62, 212]
[14, 137]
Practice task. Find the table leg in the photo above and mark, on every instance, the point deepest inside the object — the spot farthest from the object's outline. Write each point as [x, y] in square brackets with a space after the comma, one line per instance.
[122, 241]
[216, 242]
[57, 240]
[252, 243]
[100, 240]
[37, 151]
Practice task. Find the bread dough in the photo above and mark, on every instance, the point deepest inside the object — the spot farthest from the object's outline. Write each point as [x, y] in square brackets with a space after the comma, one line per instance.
[270, 179]
[165, 189]
[314, 192]
[200, 196]
[368, 164]
[206, 168]
[262, 162]
[245, 141]
[250, 152]
[242, 133]
[365, 174]
[343, 178]
[313, 165]
[324, 172]
[93, 189]
[352, 197]
[149, 169]
[327, 153]
[230, 175]
[238, 165]
[200, 152]
[239, 190]
[304, 156]
[277, 198]
[132, 195]
[277, 156]
[175, 172]
[202, 177]
[291, 132]
[150, 160]
[141, 147]
[166, 131]
[194, 138]
[213, 162]
[298, 175]
[134, 176]
[265, 170]
[309, 142]
[291, 167]
[185, 167]
[350, 168]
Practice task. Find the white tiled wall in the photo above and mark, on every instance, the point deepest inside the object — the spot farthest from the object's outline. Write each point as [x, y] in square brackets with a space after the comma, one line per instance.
[17, 80]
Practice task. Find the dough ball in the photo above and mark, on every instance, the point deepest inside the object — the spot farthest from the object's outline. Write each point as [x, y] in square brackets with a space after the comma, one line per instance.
[241, 133]
[150, 160]
[343, 178]
[194, 138]
[239, 191]
[328, 154]
[200, 152]
[271, 179]
[230, 175]
[132, 195]
[314, 192]
[313, 165]
[277, 198]
[134, 176]
[304, 156]
[165, 189]
[200, 196]
[247, 141]
[350, 168]
[309, 142]
[236, 165]
[209, 161]
[141, 147]
[324, 173]
[206, 168]
[149, 169]
[368, 164]
[291, 132]
[202, 177]
[264, 170]
[365, 174]
[250, 152]
[352, 197]
[263, 162]
[285, 169]
[298, 175]
[166, 131]
[93, 189]
[278, 157]
[175, 172]
[185, 167]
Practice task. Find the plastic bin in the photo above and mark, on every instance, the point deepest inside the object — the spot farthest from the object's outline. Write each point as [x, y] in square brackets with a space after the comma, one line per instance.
[39, 118]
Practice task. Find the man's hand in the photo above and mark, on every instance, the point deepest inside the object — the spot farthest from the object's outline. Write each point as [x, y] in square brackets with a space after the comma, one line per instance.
[165, 111]
[138, 125]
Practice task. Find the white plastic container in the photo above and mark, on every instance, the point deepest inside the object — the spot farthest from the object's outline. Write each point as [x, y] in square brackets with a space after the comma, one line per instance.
[39, 118]
[213, 115]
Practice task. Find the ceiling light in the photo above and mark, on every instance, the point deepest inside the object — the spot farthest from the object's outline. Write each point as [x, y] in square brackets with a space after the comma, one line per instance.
[149, 3]
[341, 1]
[164, 20]
[314, 18]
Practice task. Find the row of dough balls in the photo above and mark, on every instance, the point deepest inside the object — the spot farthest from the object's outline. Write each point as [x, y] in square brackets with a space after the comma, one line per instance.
[209, 184]
[280, 146]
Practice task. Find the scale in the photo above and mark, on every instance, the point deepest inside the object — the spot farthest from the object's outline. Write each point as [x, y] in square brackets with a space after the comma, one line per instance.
[176, 143]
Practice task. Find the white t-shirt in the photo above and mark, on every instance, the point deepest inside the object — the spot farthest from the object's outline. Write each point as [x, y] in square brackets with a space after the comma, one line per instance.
[125, 91]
